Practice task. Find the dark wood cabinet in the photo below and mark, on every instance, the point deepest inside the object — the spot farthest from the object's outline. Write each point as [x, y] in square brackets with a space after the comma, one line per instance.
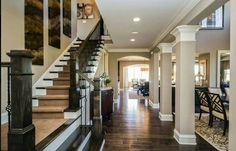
[107, 103]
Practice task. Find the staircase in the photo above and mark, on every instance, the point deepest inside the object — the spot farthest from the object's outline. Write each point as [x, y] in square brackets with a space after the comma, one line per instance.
[53, 97]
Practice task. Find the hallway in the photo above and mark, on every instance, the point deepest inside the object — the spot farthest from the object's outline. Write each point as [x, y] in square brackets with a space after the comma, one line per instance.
[136, 126]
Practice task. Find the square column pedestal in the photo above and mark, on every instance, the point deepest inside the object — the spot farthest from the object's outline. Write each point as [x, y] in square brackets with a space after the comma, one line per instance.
[185, 48]
[165, 113]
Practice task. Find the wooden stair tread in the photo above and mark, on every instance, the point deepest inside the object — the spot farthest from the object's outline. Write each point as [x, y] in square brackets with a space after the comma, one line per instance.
[62, 79]
[53, 97]
[49, 109]
[58, 87]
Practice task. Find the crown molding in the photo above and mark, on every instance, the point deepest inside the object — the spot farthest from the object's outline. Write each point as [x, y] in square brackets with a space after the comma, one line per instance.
[185, 33]
[189, 6]
[165, 47]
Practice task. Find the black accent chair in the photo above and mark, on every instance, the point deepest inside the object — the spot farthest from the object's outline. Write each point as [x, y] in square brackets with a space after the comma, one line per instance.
[205, 104]
[145, 90]
[219, 111]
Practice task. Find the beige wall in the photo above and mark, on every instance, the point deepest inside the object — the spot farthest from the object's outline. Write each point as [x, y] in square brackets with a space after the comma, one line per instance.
[210, 41]
[113, 66]
[12, 37]
[124, 64]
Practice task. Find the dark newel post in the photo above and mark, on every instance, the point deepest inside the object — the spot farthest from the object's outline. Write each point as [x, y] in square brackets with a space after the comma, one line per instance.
[97, 117]
[21, 135]
[73, 94]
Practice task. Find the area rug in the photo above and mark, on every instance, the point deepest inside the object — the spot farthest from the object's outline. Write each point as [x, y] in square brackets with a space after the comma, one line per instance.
[213, 135]
[134, 95]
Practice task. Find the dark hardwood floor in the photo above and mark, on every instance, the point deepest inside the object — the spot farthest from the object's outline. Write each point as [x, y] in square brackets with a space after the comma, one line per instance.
[135, 126]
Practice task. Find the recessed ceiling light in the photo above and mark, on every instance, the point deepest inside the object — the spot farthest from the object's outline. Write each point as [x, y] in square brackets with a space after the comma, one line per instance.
[84, 21]
[132, 40]
[134, 32]
[136, 19]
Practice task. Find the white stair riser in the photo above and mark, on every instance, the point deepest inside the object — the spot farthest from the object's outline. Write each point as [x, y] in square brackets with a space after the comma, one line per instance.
[41, 92]
[93, 62]
[53, 75]
[95, 57]
[91, 68]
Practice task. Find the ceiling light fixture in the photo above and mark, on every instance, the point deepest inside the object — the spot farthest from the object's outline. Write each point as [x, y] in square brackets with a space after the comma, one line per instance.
[136, 19]
[132, 40]
[134, 32]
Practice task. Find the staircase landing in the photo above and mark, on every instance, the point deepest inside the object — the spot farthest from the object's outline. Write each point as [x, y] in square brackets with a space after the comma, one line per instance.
[43, 127]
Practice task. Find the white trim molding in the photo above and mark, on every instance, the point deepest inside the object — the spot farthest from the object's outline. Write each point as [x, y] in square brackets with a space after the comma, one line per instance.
[103, 143]
[4, 118]
[154, 105]
[165, 117]
[185, 33]
[185, 139]
[165, 47]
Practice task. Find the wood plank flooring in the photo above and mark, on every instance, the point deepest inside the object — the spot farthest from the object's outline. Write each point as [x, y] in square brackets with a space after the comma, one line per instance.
[136, 127]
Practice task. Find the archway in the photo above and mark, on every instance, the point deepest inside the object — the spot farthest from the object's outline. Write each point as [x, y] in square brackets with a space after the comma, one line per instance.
[114, 65]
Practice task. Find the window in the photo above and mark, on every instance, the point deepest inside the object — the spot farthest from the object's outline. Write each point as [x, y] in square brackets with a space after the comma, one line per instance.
[215, 20]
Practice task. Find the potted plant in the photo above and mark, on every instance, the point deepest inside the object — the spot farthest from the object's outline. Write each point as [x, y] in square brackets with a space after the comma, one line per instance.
[106, 79]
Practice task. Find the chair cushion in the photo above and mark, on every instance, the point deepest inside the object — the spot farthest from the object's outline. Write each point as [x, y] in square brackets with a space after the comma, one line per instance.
[221, 115]
[204, 108]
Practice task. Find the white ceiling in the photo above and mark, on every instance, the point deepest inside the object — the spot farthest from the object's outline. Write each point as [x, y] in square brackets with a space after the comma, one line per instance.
[156, 16]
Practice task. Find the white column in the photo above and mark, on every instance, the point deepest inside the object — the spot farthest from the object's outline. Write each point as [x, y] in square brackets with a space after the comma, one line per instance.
[165, 113]
[185, 47]
[232, 107]
[155, 80]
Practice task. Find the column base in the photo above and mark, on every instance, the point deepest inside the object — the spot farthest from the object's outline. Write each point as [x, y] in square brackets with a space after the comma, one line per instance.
[185, 139]
[22, 139]
[97, 127]
[153, 105]
[165, 117]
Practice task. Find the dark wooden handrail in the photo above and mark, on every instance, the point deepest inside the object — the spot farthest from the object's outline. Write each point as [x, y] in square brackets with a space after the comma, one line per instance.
[81, 48]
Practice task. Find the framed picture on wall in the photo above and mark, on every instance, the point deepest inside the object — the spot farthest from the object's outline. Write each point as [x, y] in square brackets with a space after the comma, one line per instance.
[85, 11]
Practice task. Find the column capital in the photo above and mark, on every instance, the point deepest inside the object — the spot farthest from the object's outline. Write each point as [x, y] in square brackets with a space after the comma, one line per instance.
[165, 47]
[185, 33]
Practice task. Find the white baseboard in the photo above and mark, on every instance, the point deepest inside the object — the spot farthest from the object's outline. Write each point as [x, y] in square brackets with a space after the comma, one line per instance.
[4, 118]
[165, 117]
[81, 147]
[35, 102]
[56, 143]
[153, 105]
[185, 139]
[103, 143]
